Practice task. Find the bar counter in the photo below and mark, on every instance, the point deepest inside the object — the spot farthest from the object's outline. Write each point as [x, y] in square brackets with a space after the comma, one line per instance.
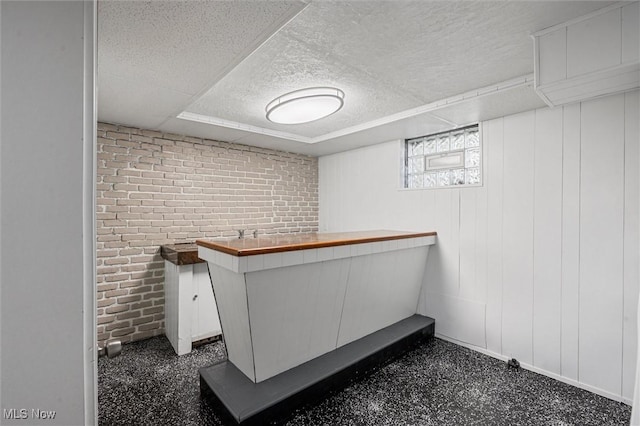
[289, 242]
[286, 300]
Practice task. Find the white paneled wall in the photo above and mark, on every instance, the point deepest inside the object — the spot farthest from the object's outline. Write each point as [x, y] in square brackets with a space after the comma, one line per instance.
[541, 262]
[601, 243]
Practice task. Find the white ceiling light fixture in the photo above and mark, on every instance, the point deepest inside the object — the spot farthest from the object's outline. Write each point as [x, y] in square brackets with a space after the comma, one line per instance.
[305, 105]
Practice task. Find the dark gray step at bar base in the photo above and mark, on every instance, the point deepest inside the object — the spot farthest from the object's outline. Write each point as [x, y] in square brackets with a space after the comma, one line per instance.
[240, 401]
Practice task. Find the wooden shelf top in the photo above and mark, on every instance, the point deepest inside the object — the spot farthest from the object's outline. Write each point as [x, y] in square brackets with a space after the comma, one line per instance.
[180, 254]
[289, 242]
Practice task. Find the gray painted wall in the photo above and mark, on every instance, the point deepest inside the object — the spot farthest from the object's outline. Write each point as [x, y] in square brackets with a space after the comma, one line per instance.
[47, 337]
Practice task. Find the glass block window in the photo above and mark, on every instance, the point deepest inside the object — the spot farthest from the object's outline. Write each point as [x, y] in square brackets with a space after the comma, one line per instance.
[446, 159]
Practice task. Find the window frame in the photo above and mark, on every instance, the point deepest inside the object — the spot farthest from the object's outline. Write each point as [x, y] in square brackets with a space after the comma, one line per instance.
[405, 159]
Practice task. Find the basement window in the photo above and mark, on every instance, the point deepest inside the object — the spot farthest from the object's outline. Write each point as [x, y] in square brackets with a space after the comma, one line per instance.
[443, 160]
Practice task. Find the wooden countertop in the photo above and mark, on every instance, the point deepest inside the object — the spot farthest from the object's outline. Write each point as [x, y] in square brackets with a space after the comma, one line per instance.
[290, 242]
[181, 254]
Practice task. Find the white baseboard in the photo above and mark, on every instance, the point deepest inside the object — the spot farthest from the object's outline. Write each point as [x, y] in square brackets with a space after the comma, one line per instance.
[538, 370]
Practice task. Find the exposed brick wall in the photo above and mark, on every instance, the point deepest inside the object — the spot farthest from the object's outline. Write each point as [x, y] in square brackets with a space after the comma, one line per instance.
[155, 188]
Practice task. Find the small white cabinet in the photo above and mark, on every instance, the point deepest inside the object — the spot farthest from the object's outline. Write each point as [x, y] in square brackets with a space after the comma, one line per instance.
[191, 313]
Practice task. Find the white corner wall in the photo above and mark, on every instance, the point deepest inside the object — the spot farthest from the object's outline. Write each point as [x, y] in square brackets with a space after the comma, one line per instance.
[541, 262]
[47, 261]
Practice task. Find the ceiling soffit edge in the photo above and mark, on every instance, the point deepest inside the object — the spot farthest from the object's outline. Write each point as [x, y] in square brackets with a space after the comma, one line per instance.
[267, 35]
[523, 81]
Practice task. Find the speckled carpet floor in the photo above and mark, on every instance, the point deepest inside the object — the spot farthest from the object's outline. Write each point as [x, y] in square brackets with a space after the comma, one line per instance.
[437, 383]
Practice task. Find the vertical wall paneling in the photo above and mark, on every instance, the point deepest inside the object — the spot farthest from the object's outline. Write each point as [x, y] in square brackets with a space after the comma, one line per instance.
[454, 221]
[458, 318]
[480, 243]
[547, 239]
[569, 323]
[517, 237]
[480, 291]
[427, 215]
[358, 199]
[631, 242]
[493, 139]
[601, 242]
[443, 261]
[540, 263]
[467, 240]
[342, 176]
[428, 223]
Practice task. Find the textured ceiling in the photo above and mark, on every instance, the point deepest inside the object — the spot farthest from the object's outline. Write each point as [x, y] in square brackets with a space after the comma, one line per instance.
[156, 57]
[222, 62]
